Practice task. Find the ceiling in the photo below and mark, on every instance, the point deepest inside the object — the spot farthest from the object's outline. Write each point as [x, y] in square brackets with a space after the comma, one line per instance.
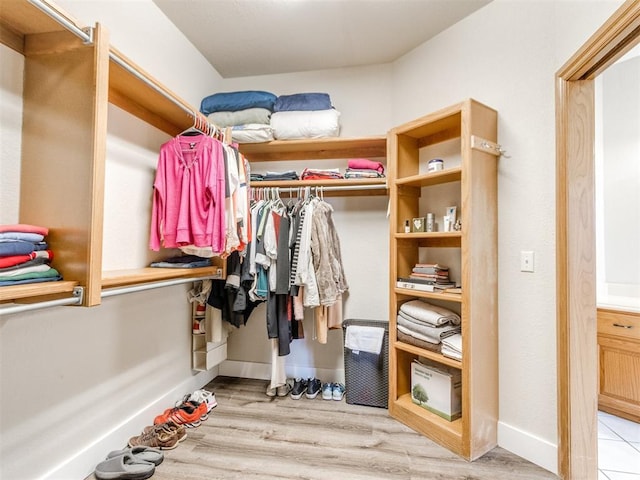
[256, 37]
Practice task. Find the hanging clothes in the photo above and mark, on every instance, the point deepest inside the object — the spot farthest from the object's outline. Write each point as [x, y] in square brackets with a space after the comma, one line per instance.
[189, 194]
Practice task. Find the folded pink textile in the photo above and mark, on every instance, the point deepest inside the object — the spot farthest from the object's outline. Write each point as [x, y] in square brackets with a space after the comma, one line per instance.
[13, 260]
[365, 163]
[24, 228]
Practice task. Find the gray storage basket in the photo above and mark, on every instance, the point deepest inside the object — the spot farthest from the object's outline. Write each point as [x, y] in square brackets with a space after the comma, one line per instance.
[367, 374]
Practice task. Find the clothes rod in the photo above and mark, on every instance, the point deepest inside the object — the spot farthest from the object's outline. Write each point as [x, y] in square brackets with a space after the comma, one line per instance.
[321, 188]
[113, 56]
[85, 35]
[149, 286]
[76, 299]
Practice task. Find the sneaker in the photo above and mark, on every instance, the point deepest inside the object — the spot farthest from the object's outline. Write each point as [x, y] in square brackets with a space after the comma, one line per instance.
[327, 391]
[156, 438]
[169, 427]
[201, 310]
[271, 391]
[299, 387]
[338, 391]
[313, 387]
[204, 396]
[283, 390]
[187, 413]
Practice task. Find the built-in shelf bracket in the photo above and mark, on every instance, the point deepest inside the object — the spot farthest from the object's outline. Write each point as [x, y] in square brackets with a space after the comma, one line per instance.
[488, 146]
[76, 298]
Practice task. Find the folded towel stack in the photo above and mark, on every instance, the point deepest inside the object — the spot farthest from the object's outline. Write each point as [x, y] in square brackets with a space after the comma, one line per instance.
[24, 255]
[248, 113]
[421, 322]
[364, 168]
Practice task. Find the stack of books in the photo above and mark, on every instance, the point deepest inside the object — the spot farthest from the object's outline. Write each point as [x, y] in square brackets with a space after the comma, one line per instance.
[427, 277]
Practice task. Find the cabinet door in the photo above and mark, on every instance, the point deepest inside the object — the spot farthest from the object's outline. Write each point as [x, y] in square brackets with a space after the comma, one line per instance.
[619, 377]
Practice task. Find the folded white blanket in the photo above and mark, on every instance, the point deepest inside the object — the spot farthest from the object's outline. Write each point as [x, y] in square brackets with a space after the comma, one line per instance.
[447, 352]
[241, 117]
[305, 124]
[429, 313]
[426, 332]
[252, 133]
[453, 342]
[364, 339]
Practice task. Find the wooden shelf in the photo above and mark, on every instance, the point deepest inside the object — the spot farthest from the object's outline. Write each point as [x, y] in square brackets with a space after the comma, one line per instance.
[435, 356]
[475, 433]
[30, 290]
[121, 278]
[432, 239]
[73, 81]
[448, 434]
[434, 178]
[353, 185]
[451, 297]
[316, 149]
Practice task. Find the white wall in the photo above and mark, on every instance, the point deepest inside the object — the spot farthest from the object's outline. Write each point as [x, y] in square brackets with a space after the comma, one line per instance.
[102, 361]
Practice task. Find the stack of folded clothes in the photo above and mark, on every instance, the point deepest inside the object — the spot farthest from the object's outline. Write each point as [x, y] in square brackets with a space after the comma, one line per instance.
[248, 113]
[425, 325]
[271, 176]
[24, 255]
[321, 174]
[364, 168]
[304, 115]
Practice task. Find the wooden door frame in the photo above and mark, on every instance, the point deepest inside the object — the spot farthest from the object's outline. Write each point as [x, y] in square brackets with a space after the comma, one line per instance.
[575, 237]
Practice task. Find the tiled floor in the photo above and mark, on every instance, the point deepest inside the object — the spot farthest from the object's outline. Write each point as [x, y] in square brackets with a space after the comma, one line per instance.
[618, 448]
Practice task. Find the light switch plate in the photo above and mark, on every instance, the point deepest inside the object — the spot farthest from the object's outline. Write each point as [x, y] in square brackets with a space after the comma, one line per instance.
[526, 261]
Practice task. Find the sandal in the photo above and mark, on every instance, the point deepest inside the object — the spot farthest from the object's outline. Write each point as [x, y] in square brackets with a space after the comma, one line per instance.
[125, 466]
[141, 453]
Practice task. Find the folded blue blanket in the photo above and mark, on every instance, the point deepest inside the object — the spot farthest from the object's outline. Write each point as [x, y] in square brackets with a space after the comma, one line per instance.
[235, 101]
[302, 102]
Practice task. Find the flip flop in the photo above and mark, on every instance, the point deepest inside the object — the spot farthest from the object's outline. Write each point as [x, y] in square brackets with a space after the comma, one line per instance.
[124, 467]
[143, 453]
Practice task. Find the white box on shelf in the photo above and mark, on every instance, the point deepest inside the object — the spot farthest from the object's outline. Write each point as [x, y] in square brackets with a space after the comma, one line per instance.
[437, 388]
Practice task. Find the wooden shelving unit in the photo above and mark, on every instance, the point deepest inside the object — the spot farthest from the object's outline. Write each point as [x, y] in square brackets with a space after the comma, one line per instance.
[68, 83]
[475, 179]
[322, 149]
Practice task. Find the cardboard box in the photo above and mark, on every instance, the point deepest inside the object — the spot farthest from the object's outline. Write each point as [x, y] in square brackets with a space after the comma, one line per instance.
[436, 387]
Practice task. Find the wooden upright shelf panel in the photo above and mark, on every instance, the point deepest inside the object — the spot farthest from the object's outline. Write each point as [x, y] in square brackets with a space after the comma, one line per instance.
[475, 179]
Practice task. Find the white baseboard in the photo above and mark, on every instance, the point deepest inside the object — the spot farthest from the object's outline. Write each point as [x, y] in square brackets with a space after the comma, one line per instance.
[531, 448]
[83, 462]
[262, 371]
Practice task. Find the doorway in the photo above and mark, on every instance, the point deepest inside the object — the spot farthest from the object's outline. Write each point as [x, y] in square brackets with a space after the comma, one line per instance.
[576, 252]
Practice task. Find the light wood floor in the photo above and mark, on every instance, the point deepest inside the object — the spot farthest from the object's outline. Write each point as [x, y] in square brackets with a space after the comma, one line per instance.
[252, 436]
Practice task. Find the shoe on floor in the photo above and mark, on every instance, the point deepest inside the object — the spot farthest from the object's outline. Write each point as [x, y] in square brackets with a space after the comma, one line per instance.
[327, 391]
[124, 466]
[169, 427]
[338, 391]
[271, 391]
[141, 454]
[299, 387]
[187, 413]
[284, 390]
[200, 396]
[313, 387]
[156, 438]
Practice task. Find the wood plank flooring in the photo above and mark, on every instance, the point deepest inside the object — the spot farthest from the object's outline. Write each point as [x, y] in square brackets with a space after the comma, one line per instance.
[250, 436]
